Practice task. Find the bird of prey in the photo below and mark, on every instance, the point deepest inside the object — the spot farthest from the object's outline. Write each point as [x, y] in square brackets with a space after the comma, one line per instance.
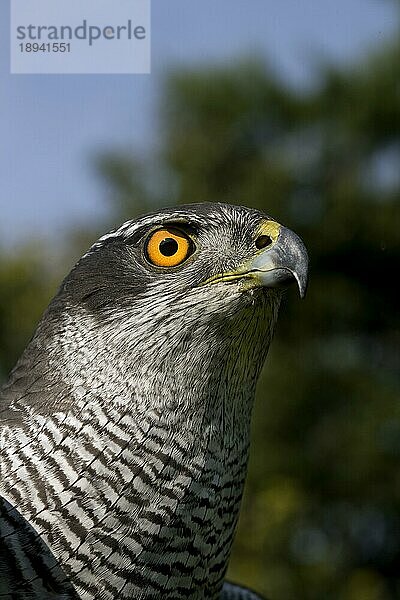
[124, 426]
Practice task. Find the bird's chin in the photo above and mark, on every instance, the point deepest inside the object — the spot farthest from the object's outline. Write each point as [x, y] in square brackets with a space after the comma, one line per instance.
[255, 287]
[248, 291]
[255, 296]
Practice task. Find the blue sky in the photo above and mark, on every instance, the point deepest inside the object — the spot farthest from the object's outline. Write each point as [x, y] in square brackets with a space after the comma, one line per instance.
[52, 125]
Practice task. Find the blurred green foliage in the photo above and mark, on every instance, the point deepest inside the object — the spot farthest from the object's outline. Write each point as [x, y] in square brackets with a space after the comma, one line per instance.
[321, 513]
[26, 284]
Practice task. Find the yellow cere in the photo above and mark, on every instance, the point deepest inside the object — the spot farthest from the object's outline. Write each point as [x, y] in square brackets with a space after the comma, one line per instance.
[270, 228]
[267, 228]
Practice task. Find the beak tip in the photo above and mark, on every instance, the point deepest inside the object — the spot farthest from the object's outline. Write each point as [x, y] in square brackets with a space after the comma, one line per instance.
[302, 285]
[300, 269]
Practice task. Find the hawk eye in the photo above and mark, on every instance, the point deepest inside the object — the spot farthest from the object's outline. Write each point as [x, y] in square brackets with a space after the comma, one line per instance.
[168, 247]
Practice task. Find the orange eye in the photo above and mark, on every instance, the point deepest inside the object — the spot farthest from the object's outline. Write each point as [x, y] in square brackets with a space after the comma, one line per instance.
[168, 247]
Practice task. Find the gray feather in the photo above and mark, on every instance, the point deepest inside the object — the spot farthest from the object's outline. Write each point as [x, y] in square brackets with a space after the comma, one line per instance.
[124, 427]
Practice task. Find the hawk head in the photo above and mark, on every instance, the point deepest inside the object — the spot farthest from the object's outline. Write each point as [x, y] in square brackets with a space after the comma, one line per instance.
[170, 299]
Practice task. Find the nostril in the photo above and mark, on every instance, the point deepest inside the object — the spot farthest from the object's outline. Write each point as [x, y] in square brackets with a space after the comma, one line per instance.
[263, 241]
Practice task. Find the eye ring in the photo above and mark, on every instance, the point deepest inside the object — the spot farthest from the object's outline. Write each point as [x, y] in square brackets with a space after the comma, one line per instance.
[168, 247]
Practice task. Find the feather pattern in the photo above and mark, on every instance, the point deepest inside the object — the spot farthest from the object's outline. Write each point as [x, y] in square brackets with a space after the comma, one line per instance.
[125, 425]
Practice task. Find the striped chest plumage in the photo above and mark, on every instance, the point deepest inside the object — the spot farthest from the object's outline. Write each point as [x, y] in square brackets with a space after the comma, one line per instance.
[126, 509]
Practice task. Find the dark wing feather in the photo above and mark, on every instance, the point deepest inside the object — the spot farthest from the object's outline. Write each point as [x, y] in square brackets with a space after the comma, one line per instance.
[28, 570]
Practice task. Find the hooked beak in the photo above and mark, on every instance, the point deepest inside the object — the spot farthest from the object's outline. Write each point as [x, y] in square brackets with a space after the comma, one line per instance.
[280, 263]
[283, 262]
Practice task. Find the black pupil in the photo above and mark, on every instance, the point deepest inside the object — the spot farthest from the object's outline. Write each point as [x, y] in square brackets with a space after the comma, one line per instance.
[168, 247]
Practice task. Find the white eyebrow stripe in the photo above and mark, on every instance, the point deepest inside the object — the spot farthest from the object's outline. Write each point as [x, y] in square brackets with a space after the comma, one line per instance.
[129, 227]
[123, 231]
[217, 216]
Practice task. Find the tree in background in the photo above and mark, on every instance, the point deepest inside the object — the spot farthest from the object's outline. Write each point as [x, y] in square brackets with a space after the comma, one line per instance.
[321, 514]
